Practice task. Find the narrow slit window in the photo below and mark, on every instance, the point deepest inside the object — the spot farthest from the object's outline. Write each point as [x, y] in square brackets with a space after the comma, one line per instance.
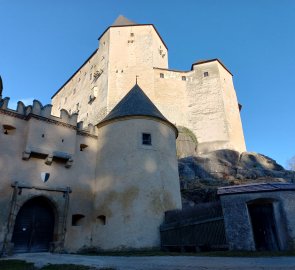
[146, 139]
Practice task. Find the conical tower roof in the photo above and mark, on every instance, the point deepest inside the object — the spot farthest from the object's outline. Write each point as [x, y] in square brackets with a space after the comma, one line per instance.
[135, 103]
[121, 21]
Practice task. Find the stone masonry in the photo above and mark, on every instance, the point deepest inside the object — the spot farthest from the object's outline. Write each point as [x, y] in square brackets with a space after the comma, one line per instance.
[202, 99]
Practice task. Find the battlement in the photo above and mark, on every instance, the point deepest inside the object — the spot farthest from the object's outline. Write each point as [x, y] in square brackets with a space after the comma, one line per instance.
[37, 110]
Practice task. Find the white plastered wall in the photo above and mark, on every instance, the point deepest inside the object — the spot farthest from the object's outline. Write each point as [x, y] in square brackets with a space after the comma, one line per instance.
[135, 184]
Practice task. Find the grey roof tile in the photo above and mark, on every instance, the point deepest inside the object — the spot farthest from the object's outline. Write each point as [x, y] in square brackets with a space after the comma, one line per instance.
[259, 187]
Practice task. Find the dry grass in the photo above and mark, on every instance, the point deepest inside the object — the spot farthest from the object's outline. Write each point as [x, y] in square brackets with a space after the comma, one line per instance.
[22, 265]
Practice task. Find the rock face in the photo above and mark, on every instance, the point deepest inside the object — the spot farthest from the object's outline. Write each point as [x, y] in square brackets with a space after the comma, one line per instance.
[201, 175]
[186, 143]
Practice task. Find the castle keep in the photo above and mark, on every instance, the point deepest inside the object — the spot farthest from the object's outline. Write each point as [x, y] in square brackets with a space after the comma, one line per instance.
[98, 167]
[202, 99]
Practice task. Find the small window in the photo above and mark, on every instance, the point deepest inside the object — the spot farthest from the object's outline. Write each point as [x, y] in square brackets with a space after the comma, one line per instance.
[206, 74]
[65, 100]
[77, 219]
[183, 78]
[161, 75]
[102, 219]
[131, 34]
[90, 76]
[146, 139]
[83, 146]
[74, 91]
[8, 129]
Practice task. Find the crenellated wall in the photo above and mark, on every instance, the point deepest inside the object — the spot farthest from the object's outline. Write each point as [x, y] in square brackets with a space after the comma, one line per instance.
[44, 134]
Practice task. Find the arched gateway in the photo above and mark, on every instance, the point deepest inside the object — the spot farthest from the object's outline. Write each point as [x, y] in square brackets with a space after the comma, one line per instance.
[34, 226]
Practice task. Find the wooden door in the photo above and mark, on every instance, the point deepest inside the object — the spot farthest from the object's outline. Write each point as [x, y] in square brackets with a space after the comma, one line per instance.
[34, 225]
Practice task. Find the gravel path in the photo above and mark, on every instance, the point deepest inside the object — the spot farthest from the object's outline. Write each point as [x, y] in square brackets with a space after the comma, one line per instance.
[161, 262]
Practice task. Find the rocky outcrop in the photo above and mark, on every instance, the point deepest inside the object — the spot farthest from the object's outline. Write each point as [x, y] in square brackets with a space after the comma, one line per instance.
[186, 143]
[201, 175]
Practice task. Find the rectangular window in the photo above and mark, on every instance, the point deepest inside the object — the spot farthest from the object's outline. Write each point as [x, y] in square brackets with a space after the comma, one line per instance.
[161, 75]
[183, 78]
[146, 139]
[206, 74]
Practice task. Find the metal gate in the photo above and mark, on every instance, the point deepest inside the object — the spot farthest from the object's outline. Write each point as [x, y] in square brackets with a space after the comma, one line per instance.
[34, 226]
[195, 228]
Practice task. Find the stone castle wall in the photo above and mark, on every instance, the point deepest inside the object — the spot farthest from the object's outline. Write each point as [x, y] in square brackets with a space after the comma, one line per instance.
[205, 104]
[116, 183]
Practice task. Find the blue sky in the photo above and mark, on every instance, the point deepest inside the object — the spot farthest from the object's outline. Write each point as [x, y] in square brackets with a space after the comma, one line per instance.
[43, 42]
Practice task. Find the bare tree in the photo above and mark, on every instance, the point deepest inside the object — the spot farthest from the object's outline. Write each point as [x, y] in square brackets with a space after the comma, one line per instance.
[291, 164]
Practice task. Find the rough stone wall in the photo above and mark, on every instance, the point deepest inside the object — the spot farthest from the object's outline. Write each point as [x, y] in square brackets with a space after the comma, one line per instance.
[205, 104]
[170, 95]
[136, 184]
[232, 113]
[199, 103]
[134, 51]
[206, 114]
[238, 224]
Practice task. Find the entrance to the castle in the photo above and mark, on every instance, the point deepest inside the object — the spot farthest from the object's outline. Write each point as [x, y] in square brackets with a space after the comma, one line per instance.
[264, 226]
[34, 226]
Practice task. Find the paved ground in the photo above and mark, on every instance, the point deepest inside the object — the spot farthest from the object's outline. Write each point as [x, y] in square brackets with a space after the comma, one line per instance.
[161, 262]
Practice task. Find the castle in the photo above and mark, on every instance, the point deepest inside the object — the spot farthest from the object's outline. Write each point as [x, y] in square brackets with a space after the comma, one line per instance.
[98, 167]
[202, 99]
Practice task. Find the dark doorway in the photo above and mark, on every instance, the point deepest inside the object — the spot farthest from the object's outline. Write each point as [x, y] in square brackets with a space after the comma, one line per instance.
[263, 226]
[34, 225]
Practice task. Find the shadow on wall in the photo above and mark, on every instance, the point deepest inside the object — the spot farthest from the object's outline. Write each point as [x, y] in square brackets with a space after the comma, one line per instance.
[132, 181]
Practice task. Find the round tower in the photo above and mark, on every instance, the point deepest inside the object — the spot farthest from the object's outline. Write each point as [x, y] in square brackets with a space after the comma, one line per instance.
[137, 174]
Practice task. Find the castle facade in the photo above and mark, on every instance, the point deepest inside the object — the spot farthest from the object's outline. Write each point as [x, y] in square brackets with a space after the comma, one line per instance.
[202, 99]
[98, 167]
